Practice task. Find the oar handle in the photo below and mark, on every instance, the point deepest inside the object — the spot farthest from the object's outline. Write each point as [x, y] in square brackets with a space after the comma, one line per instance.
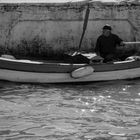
[131, 43]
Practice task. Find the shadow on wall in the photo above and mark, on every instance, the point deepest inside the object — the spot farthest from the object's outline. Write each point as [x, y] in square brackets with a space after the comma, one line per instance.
[35, 47]
[39, 48]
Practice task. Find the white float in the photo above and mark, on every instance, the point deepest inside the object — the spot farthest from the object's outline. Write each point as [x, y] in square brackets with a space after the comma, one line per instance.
[82, 72]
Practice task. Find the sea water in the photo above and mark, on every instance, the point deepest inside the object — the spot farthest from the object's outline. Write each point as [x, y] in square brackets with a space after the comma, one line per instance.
[89, 111]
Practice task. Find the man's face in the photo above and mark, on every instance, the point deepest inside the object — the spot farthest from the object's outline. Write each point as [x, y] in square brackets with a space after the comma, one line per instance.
[106, 32]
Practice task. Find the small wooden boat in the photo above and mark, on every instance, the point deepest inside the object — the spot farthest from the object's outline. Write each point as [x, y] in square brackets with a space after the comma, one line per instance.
[44, 72]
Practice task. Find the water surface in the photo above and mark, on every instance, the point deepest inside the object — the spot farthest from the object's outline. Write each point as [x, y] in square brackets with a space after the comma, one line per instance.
[91, 111]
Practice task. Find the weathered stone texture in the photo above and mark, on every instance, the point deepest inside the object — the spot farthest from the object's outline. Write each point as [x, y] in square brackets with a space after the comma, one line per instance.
[59, 26]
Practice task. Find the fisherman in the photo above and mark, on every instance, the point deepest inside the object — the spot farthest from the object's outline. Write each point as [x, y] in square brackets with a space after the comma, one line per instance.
[106, 44]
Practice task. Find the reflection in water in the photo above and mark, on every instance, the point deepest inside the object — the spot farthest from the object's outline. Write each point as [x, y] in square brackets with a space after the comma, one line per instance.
[93, 111]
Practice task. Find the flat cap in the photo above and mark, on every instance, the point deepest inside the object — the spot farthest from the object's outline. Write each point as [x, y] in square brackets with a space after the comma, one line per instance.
[107, 26]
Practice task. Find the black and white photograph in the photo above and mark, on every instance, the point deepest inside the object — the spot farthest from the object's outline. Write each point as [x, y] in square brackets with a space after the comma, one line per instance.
[69, 69]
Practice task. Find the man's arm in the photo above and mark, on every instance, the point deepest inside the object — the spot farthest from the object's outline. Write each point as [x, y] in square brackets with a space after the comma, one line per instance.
[119, 41]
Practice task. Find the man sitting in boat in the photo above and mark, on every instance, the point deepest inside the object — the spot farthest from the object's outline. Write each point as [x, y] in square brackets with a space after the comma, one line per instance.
[106, 44]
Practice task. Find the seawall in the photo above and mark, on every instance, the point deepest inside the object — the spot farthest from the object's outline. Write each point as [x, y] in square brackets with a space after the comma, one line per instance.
[46, 29]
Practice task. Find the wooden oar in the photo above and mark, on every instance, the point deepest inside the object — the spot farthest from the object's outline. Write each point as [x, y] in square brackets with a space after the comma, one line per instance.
[131, 43]
[84, 29]
[84, 25]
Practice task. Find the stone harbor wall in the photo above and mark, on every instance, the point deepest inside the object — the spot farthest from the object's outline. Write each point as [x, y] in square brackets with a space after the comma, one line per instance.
[53, 29]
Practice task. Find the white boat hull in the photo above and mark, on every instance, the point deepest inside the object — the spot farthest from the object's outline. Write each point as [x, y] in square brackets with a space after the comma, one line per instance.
[34, 77]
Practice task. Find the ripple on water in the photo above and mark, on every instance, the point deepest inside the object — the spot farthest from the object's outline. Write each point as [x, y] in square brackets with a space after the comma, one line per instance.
[98, 111]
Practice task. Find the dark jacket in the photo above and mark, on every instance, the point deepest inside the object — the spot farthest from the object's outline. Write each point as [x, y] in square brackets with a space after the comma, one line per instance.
[107, 45]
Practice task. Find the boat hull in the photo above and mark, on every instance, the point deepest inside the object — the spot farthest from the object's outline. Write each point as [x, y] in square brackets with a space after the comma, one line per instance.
[28, 71]
[34, 77]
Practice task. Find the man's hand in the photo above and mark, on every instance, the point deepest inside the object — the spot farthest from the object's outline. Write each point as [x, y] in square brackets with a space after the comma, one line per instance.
[122, 43]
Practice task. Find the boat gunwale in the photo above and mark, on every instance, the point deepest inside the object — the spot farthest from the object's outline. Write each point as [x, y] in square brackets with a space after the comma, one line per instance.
[45, 67]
